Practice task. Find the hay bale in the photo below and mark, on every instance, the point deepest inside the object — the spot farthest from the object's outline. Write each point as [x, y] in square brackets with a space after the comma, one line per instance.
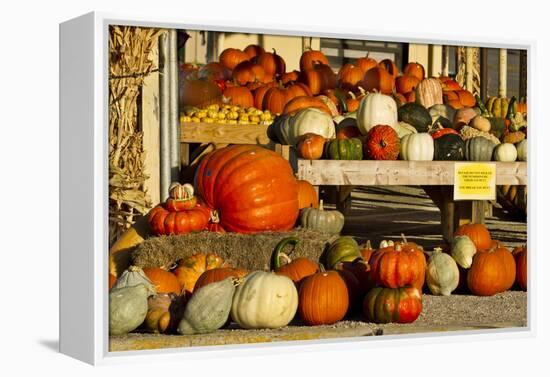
[250, 251]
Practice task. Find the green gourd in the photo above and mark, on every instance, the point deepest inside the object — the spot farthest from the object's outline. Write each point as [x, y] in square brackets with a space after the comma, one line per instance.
[318, 219]
[344, 149]
[208, 309]
[449, 147]
[416, 115]
[478, 149]
[442, 273]
[127, 308]
[343, 249]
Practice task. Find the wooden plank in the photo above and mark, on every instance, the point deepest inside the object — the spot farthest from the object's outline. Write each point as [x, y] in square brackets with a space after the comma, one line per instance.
[224, 133]
[379, 173]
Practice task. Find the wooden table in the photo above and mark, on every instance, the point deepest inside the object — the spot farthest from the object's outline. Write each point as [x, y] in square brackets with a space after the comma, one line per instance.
[436, 178]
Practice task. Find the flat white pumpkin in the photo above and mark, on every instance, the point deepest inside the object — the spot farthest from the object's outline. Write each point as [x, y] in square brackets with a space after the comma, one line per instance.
[505, 152]
[310, 120]
[264, 300]
[417, 147]
[375, 109]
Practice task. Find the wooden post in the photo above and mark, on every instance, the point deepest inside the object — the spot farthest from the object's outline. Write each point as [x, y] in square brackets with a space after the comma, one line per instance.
[449, 218]
[445, 58]
[469, 69]
[502, 72]
[484, 74]
[523, 74]
[435, 58]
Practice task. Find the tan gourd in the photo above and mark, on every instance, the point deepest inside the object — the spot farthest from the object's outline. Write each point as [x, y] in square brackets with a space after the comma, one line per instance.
[463, 251]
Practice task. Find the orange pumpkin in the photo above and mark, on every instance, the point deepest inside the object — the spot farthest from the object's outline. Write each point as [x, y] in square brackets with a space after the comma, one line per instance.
[214, 71]
[466, 98]
[164, 281]
[406, 83]
[252, 188]
[398, 266]
[520, 256]
[381, 143]
[296, 269]
[307, 196]
[319, 78]
[275, 99]
[416, 70]
[378, 79]
[366, 63]
[218, 274]
[166, 221]
[410, 96]
[231, 57]
[478, 233]
[199, 93]
[289, 77]
[301, 102]
[191, 268]
[253, 50]
[273, 64]
[449, 84]
[311, 146]
[246, 72]
[260, 92]
[492, 271]
[311, 57]
[239, 95]
[323, 298]
[112, 280]
[389, 66]
[349, 76]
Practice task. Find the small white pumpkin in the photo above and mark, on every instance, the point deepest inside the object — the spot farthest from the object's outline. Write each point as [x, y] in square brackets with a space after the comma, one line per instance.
[417, 147]
[463, 251]
[404, 128]
[264, 300]
[480, 123]
[505, 152]
[442, 273]
[375, 109]
[310, 120]
[522, 150]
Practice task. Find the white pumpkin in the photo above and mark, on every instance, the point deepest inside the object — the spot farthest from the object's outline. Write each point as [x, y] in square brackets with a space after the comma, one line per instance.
[463, 251]
[375, 109]
[417, 147]
[264, 300]
[522, 150]
[442, 273]
[310, 120]
[505, 152]
[404, 128]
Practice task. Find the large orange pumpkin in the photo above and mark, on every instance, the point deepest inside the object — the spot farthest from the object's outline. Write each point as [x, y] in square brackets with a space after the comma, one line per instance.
[398, 266]
[349, 76]
[252, 188]
[164, 281]
[273, 64]
[191, 268]
[478, 233]
[218, 274]
[520, 255]
[323, 298]
[382, 143]
[378, 79]
[307, 196]
[276, 98]
[492, 271]
[406, 83]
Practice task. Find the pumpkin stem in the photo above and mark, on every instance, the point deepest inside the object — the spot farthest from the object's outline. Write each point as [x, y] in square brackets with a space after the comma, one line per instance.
[277, 252]
[321, 267]
[404, 238]
[214, 217]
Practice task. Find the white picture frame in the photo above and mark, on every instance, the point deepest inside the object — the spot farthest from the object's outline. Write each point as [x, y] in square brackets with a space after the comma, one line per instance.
[84, 192]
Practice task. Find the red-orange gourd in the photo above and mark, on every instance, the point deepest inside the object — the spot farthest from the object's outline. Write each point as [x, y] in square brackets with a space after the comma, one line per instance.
[366, 63]
[323, 299]
[301, 102]
[252, 188]
[381, 143]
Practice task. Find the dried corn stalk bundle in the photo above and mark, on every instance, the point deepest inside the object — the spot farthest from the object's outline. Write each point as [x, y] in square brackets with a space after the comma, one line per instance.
[461, 68]
[129, 64]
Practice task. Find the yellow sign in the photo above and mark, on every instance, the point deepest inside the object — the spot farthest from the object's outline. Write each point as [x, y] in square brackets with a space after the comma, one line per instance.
[475, 181]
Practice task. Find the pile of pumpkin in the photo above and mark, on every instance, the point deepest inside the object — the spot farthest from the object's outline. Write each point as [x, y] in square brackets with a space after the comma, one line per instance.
[202, 293]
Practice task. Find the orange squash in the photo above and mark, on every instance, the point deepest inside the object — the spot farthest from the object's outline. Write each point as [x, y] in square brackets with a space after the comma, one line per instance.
[273, 64]
[389, 66]
[366, 63]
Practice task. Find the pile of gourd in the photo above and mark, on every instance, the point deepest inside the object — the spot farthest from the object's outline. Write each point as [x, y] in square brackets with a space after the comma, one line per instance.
[202, 293]
[226, 114]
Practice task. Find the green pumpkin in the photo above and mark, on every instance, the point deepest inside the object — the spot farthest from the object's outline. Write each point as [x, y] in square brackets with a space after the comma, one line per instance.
[318, 219]
[278, 130]
[385, 305]
[208, 309]
[345, 149]
[416, 115]
[449, 147]
[478, 149]
[344, 249]
[127, 308]
[498, 126]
